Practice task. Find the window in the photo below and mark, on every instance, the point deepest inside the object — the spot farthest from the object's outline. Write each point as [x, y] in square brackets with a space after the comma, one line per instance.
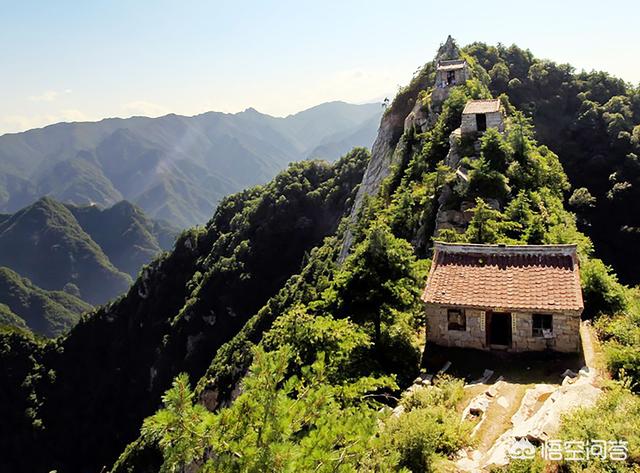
[542, 325]
[457, 320]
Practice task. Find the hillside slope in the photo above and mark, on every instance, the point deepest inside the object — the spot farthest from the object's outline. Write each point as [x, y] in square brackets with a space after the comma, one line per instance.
[45, 243]
[182, 307]
[310, 369]
[127, 236]
[592, 121]
[89, 252]
[46, 313]
[176, 168]
[297, 354]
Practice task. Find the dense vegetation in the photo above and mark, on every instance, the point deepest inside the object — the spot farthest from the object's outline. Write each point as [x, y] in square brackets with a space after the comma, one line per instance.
[87, 252]
[370, 304]
[127, 236]
[592, 121]
[295, 359]
[46, 313]
[45, 243]
[182, 307]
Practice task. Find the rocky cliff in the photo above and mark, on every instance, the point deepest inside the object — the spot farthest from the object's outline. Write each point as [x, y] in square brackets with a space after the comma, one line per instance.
[408, 111]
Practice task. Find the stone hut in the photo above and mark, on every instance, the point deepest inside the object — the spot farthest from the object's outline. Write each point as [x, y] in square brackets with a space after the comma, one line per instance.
[478, 115]
[450, 73]
[498, 297]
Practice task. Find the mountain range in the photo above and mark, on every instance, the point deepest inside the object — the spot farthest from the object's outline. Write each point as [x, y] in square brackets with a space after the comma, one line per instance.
[176, 168]
[257, 307]
[57, 259]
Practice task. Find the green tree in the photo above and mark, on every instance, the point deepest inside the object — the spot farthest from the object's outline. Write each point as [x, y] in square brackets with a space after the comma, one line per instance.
[378, 279]
[582, 199]
[278, 424]
[495, 150]
[485, 225]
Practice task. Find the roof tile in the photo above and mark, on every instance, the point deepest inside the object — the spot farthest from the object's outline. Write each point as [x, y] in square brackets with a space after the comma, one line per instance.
[526, 277]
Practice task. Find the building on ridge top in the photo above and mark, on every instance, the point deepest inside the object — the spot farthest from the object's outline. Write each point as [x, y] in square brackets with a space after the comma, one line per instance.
[504, 297]
[451, 72]
[479, 115]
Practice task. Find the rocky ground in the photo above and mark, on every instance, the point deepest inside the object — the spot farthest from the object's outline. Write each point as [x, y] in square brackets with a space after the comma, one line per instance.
[516, 398]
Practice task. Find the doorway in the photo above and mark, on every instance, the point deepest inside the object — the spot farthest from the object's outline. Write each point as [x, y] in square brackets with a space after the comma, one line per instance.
[451, 77]
[481, 122]
[499, 329]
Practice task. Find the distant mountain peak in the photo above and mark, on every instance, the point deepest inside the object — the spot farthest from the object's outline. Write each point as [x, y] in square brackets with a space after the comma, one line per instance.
[251, 110]
[176, 168]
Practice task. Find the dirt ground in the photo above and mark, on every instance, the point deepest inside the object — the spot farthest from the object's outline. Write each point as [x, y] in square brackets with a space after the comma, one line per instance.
[518, 373]
[515, 368]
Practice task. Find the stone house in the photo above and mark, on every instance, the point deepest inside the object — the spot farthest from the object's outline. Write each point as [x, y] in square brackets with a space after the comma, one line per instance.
[513, 298]
[452, 72]
[478, 115]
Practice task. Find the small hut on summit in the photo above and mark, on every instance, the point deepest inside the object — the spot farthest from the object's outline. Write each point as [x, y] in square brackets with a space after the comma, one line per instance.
[451, 72]
[478, 115]
[513, 298]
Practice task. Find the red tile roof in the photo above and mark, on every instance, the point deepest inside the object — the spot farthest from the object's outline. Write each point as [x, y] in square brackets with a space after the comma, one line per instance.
[527, 277]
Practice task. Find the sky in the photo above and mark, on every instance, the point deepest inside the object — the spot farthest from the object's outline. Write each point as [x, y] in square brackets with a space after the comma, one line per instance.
[87, 60]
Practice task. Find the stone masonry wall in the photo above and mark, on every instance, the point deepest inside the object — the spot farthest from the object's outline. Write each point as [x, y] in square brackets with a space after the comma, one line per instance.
[468, 124]
[438, 333]
[566, 331]
[494, 120]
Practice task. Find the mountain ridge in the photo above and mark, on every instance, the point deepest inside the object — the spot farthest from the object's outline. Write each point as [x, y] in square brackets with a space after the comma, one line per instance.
[175, 167]
[90, 252]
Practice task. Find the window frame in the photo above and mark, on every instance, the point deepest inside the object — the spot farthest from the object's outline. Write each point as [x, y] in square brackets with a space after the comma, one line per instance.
[537, 329]
[457, 327]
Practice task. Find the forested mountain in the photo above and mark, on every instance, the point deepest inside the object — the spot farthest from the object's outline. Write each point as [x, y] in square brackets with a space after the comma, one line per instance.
[46, 313]
[87, 252]
[592, 121]
[183, 306]
[175, 168]
[296, 353]
[127, 236]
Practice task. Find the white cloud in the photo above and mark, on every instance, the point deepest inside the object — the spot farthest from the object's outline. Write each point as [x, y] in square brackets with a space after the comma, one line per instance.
[48, 95]
[147, 109]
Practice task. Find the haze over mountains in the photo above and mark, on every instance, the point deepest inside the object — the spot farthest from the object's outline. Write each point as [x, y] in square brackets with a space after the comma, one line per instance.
[56, 260]
[175, 168]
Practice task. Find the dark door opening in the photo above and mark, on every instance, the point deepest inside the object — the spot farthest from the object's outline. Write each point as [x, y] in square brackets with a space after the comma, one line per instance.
[451, 77]
[499, 328]
[481, 122]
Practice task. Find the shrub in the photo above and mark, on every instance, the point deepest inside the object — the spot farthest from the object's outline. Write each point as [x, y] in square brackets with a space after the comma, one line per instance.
[602, 292]
[422, 435]
[615, 416]
[446, 391]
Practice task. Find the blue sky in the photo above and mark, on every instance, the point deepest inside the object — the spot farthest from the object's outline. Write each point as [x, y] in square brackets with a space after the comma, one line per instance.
[85, 60]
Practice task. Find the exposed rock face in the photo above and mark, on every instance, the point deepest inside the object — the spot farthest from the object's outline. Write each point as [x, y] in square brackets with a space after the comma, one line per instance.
[536, 420]
[405, 113]
[392, 127]
[419, 119]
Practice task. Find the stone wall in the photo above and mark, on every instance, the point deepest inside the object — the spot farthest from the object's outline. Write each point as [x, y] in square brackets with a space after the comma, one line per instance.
[566, 331]
[468, 124]
[460, 75]
[438, 333]
[494, 120]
